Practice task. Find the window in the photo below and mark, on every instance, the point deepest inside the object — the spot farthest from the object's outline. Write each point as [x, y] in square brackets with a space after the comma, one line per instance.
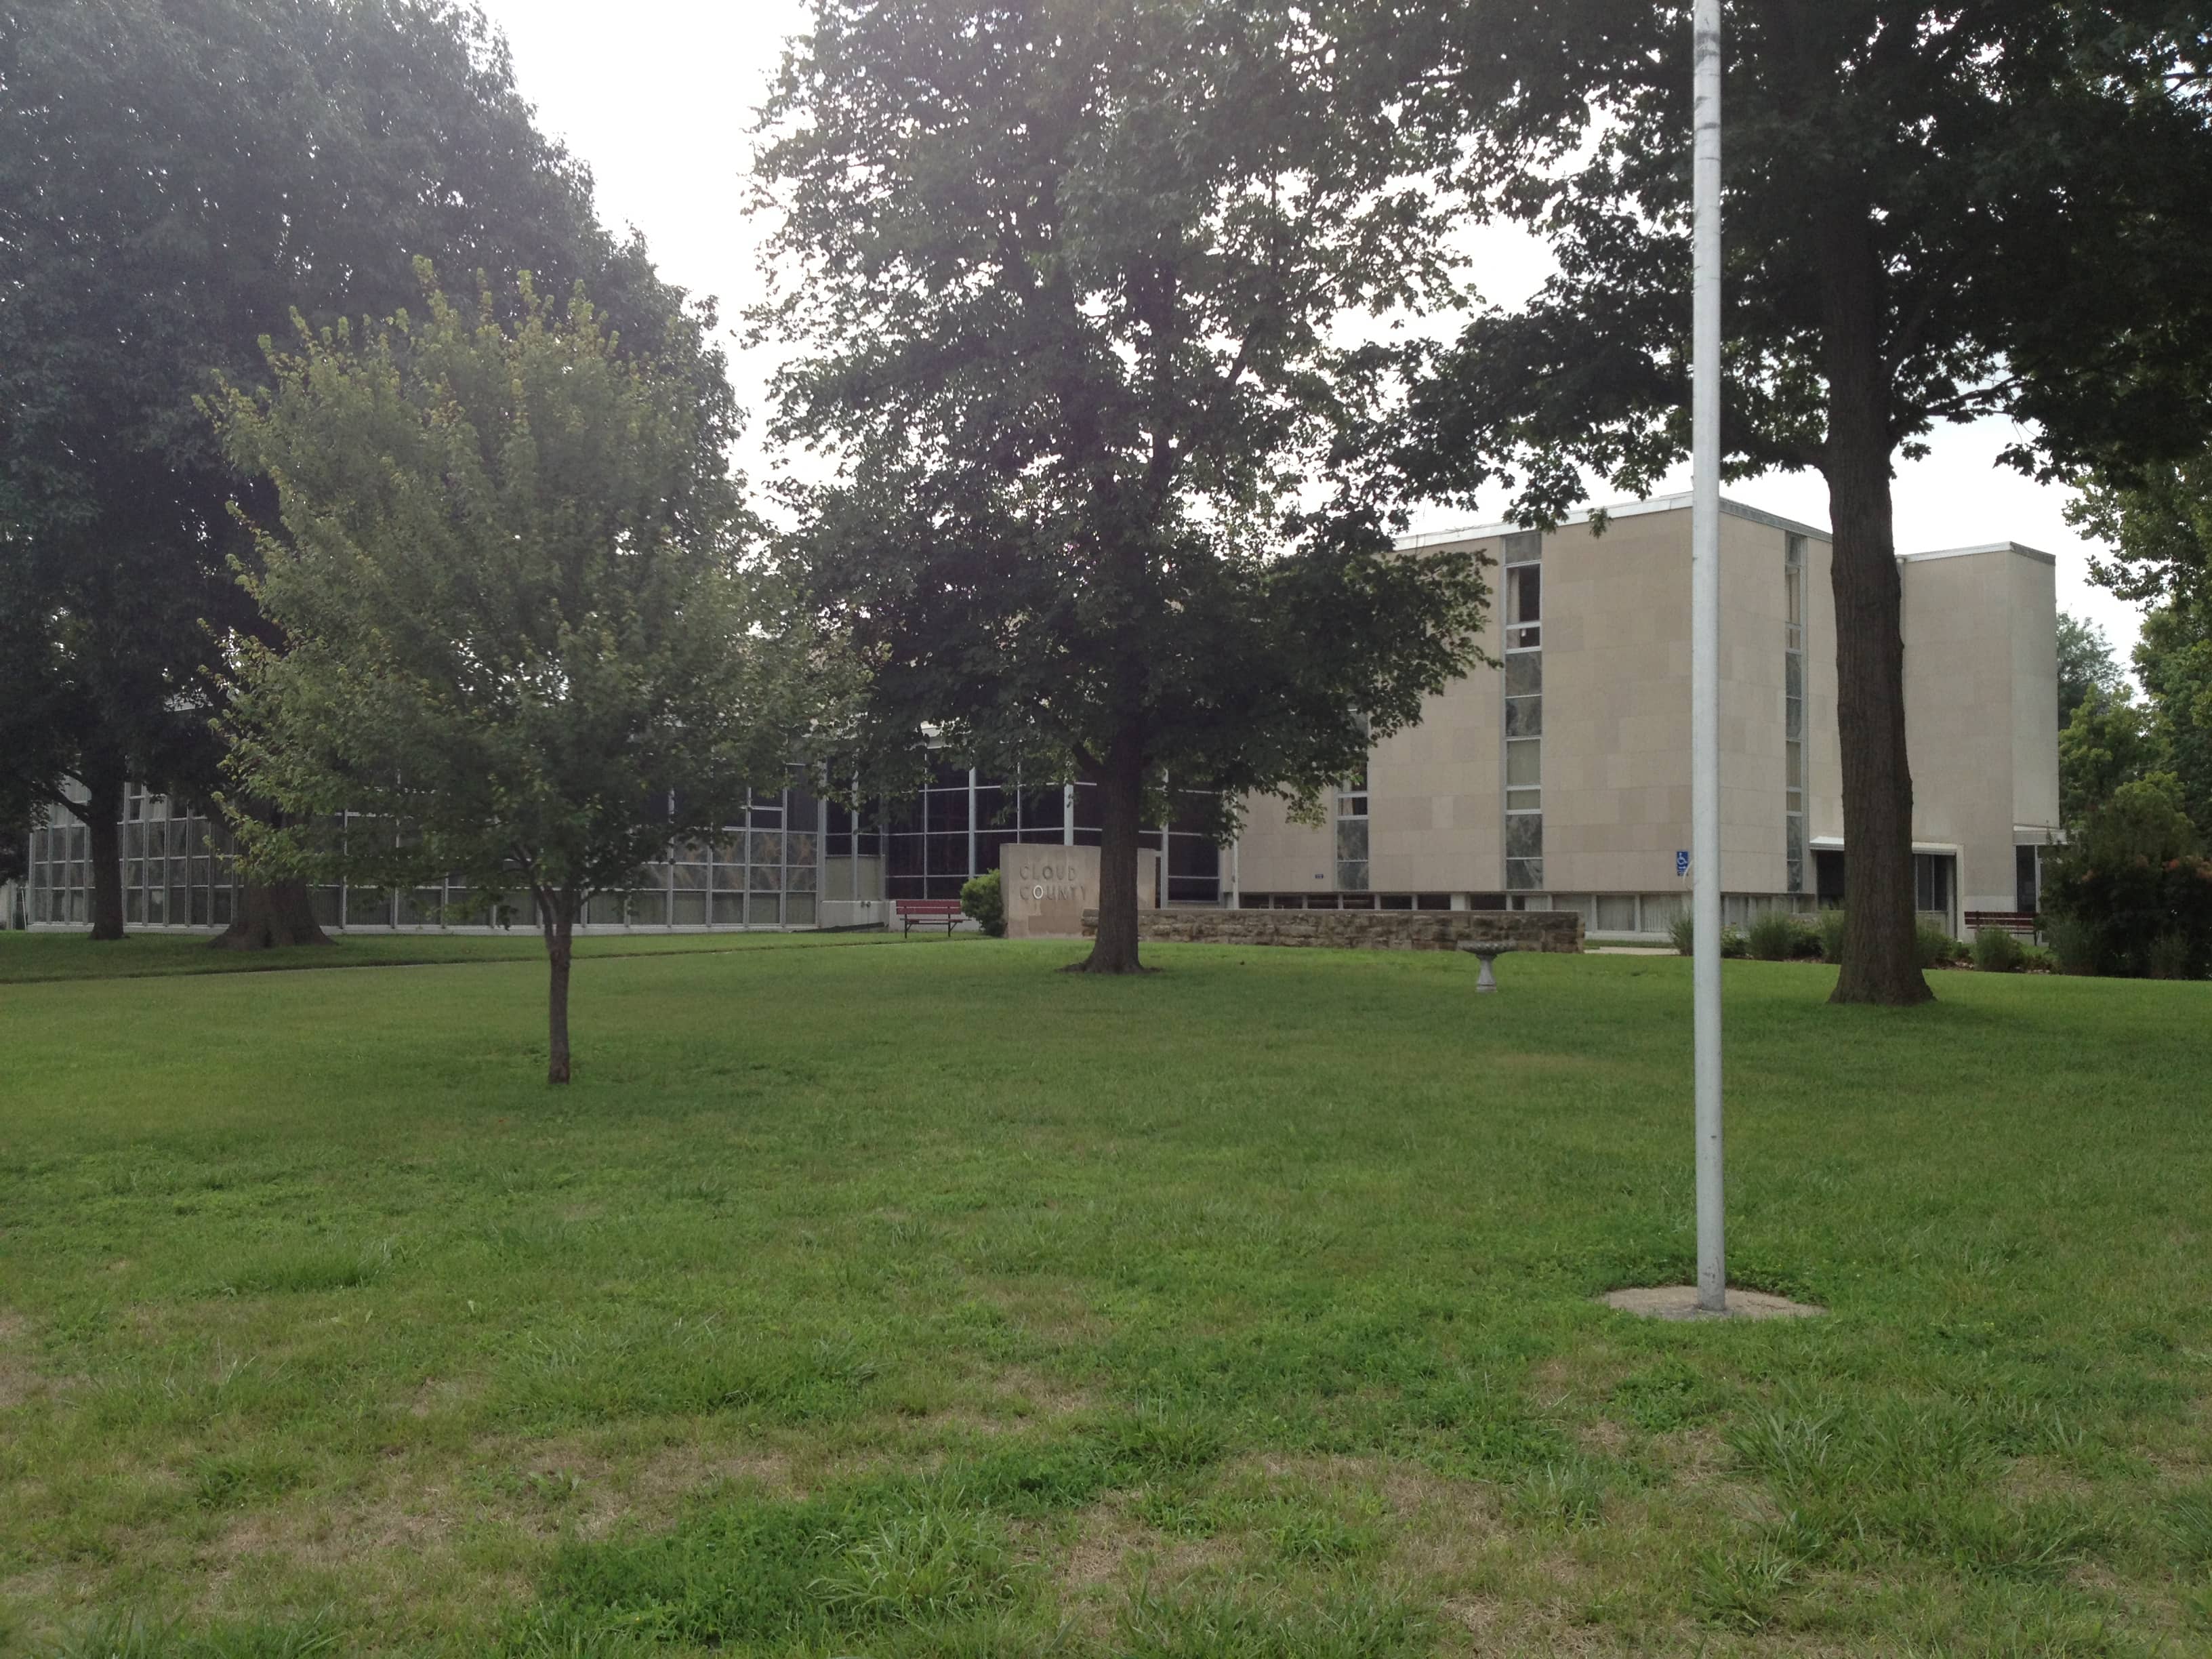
[1524, 775]
[1524, 693]
[1351, 834]
[1931, 882]
[1524, 607]
[1523, 556]
[2026, 880]
[1616, 913]
[1793, 711]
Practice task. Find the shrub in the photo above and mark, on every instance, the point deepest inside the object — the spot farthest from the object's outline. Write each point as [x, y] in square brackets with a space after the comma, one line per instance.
[2038, 959]
[1683, 931]
[1935, 945]
[2134, 885]
[2169, 957]
[1831, 927]
[1775, 936]
[1996, 952]
[2076, 946]
[981, 899]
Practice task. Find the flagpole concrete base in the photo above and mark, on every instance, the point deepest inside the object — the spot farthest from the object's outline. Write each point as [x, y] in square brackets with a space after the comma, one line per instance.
[1680, 1302]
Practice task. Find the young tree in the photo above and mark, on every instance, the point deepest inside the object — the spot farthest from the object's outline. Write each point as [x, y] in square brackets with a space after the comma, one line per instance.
[1934, 213]
[175, 180]
[1070, 285]
[514, 627]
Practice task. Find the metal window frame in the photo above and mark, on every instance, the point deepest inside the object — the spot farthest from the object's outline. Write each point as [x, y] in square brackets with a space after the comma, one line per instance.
[1517, 552]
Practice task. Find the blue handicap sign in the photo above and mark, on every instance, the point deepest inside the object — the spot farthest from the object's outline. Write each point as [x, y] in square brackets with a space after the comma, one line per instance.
[1681, 864]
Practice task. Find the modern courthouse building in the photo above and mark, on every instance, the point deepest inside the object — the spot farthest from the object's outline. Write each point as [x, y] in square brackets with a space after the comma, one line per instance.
[1560, 779]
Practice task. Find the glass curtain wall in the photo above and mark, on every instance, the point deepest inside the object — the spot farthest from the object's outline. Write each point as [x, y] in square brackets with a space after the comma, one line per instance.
[951, 830]
[179, 871]
[765, 871]
[770, 869]
[178, 867]
[59, 890]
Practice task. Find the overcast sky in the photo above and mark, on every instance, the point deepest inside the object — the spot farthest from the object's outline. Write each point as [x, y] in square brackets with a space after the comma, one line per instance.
[658, 96]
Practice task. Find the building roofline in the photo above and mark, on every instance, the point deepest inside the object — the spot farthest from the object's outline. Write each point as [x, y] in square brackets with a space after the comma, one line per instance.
[1618, 510]
[2024, 551]
[1473, 532]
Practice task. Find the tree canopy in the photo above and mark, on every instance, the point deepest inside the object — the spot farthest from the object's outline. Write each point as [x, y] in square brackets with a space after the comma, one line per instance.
[515, 631]
[2087, 667]
[2156, 519]
[176, 178]
[1933, 213]
[1070, 286]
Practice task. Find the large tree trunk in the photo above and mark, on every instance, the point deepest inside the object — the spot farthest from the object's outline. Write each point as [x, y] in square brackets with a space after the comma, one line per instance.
[104, 781]
[272, 915]
[557, 917]
[1121, 804]
[1880, 960]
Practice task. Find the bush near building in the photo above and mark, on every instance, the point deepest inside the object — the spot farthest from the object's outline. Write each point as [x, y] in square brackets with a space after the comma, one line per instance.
[1996, 952]
[1779, 936]
[983, 900]
[1683, 933]
[2132, 895]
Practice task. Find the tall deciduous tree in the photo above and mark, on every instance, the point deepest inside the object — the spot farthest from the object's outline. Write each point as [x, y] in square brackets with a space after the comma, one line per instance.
[514, 625]
[1067, 281]
[1935, 212]
[176, 176]
[2156, 519]
[2087, 667]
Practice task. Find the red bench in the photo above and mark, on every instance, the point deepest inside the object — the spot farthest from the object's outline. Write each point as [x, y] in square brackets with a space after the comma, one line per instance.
[913, 912]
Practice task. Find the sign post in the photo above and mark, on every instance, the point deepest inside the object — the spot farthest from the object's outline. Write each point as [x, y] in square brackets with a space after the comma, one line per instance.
[1705, 653]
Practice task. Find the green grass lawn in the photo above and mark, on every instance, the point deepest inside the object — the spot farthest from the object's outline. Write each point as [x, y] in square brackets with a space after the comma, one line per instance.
[911, 1299]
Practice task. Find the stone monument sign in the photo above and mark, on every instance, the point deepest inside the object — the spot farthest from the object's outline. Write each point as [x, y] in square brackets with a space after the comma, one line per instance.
[1046, 888]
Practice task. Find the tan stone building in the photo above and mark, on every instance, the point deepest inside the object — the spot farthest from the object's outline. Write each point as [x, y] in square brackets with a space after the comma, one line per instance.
[1560, 779]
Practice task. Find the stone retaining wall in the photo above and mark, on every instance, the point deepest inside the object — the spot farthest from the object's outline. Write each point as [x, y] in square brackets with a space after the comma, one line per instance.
[1556, 931]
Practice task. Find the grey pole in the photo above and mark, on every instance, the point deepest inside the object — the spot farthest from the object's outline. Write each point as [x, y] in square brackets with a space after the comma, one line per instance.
[1705, 657]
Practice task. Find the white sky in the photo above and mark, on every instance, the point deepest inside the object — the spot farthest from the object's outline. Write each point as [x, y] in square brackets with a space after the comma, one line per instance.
[659, 97]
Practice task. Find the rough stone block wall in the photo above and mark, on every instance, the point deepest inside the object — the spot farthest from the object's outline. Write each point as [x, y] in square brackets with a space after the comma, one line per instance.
[1560, 932]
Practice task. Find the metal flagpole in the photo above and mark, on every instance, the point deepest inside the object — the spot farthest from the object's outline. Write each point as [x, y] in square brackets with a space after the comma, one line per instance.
[1704, 655]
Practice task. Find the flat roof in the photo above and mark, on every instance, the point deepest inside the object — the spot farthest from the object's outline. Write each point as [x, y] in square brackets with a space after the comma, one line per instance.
[1681, 504]
[1618, 510]
[2025, 552]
